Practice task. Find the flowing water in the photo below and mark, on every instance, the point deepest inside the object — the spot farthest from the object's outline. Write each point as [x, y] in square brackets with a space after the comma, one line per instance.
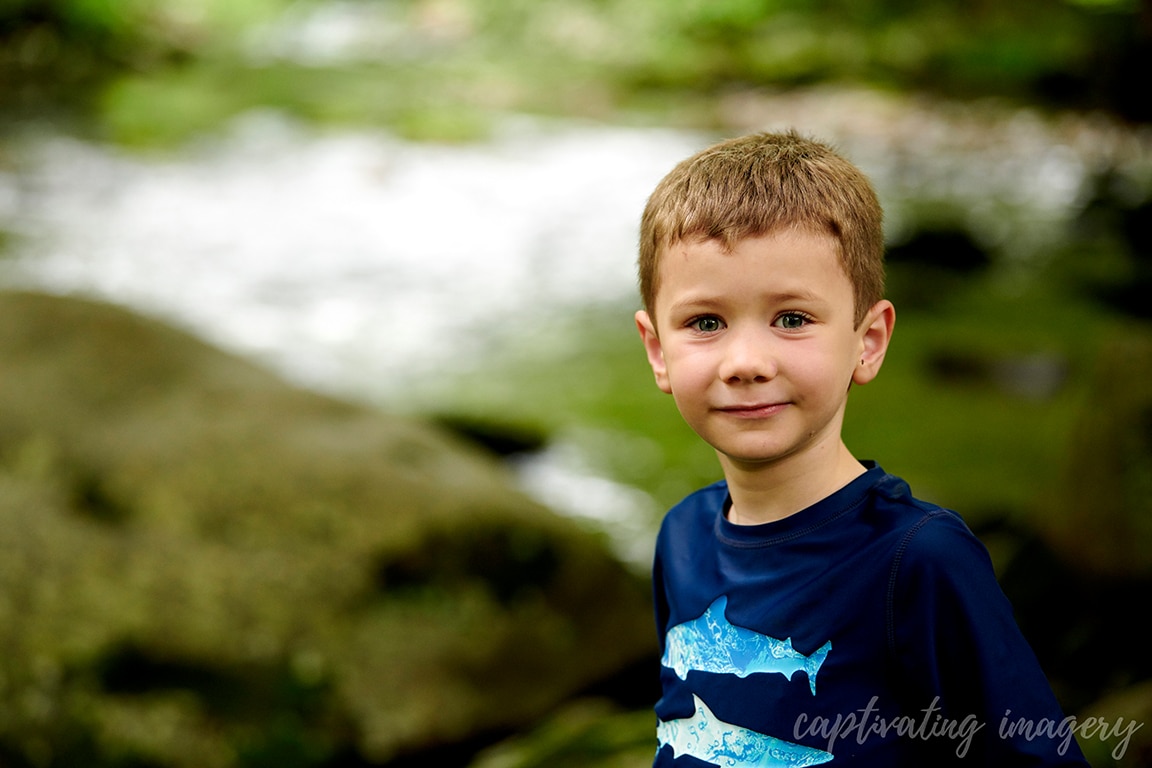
[353, 262]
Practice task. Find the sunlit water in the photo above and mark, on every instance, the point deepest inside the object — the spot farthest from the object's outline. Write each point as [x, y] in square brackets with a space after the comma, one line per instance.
[361, 264]
[353, 262]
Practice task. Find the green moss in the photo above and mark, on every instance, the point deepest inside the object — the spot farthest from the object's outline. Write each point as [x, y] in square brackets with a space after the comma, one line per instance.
[203, 566]
[587, 734]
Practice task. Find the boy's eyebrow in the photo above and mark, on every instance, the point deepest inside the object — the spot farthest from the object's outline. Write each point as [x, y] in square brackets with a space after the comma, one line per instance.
[713, 302]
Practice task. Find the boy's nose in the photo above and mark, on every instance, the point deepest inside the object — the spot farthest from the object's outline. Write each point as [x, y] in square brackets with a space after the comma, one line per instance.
[748, 357]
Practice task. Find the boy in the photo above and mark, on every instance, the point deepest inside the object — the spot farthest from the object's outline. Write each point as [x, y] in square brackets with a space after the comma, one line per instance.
[810, 610]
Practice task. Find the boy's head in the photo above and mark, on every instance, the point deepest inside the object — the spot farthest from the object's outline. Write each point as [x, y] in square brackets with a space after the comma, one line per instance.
[758, 184]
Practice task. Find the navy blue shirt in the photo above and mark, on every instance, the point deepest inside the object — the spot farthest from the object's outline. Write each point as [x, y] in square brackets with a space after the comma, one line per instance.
[866, 630]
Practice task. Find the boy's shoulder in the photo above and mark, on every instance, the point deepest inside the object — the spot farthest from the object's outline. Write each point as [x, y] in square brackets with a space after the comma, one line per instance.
[933, 550]
[927, 537]
[929, 530]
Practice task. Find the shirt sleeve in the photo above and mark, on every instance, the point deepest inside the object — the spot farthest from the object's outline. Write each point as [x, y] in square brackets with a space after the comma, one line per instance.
[956, 643]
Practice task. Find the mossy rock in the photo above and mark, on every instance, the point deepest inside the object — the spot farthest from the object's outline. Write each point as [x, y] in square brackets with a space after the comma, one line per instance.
[589, 733]
[201, 565]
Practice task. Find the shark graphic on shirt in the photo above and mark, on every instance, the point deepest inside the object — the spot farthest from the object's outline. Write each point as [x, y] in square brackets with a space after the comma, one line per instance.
[711, 644]
[705, 737]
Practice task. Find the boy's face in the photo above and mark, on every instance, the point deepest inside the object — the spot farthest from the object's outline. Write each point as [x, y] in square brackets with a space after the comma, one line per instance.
[757, 344]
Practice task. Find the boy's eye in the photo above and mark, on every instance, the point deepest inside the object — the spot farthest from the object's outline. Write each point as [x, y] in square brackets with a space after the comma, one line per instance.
[706, 324]
[792, 320]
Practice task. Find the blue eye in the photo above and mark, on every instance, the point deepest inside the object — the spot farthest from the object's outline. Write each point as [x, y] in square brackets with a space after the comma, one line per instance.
[706, 324]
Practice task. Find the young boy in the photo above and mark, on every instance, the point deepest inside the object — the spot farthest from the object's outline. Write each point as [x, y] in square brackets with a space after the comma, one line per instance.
[810, 610]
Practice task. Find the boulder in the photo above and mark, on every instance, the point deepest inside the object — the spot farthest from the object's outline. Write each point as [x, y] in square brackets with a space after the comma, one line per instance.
[203, 566]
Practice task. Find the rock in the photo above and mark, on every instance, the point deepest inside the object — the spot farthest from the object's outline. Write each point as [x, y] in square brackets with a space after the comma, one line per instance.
[201, 565]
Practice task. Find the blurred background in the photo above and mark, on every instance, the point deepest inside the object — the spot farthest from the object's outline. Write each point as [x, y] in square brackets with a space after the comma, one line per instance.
[325, 435]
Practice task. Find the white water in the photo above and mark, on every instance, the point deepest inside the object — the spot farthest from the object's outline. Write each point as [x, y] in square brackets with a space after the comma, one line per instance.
[352, 262]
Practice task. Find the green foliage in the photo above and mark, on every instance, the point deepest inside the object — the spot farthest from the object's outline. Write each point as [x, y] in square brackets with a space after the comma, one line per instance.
[57, 55]
[988, 47]
[128, 23]
[1128, 6]
[145, 111]
[185, 65]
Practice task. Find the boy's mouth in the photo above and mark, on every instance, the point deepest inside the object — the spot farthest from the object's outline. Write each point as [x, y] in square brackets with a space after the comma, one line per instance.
[753, 410]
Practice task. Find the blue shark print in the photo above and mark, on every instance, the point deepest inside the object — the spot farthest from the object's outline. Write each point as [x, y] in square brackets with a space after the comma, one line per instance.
[707, 738]
[711, 644]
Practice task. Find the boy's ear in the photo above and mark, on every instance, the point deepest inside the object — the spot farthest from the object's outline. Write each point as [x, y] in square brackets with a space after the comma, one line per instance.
[875, 333]
[655, 352]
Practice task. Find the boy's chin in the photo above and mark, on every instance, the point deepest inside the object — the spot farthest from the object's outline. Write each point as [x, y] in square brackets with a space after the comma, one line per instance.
[749, 460]
[764, 456]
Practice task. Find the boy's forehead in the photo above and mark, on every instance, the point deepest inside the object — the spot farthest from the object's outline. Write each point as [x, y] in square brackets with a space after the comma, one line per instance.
[807, 244]
[728, 239]
[694, 260]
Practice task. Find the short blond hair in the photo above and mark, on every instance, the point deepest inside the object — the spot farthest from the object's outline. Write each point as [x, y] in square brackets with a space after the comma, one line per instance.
[761, 183]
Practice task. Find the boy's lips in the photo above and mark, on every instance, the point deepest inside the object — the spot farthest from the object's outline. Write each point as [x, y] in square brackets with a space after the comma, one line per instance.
[753, 410]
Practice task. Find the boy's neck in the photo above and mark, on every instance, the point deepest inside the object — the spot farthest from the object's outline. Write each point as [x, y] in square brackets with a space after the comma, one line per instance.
[767, 493]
